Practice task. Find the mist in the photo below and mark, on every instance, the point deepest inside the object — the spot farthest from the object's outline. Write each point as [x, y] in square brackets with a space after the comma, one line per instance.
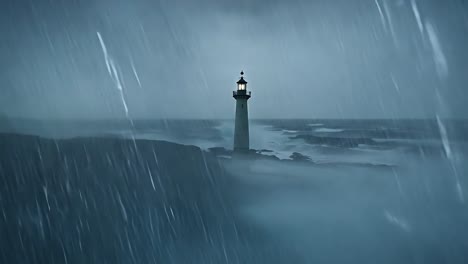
[410, 213]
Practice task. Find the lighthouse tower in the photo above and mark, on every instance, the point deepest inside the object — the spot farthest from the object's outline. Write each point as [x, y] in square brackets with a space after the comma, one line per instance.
[241, 131]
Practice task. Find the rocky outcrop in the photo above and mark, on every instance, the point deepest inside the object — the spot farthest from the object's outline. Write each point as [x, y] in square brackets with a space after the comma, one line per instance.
[104, 200]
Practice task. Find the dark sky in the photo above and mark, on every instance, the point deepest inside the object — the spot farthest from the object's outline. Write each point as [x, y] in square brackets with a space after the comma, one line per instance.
[181, 58]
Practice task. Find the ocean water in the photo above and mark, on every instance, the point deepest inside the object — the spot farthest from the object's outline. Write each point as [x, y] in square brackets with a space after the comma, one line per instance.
[378, 142]
[373, 191]
[366, 141]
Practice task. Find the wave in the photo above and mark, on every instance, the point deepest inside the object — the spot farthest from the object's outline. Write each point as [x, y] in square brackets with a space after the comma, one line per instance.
[335, 141]
[315, 124]
[328, 130]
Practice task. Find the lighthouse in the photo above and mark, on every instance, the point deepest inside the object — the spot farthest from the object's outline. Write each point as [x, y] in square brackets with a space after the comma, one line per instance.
[241, 130]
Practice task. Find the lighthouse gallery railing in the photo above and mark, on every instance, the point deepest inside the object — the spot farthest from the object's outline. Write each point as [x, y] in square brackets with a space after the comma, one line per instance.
[234, 93]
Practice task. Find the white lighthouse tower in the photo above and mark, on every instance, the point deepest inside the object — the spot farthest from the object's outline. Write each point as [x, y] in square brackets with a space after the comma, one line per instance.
[241, 131]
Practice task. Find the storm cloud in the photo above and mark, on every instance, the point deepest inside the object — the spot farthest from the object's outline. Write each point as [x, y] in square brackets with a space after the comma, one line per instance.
[181, 59]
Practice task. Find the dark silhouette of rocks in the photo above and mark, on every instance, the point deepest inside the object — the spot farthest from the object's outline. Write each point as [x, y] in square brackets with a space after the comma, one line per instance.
[299, 157]
[108, 200]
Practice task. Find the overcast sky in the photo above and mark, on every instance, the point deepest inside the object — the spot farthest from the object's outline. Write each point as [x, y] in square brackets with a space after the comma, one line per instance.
[181, 58]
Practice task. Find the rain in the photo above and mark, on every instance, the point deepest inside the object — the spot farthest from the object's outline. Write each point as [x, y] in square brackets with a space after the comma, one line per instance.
[249, 131]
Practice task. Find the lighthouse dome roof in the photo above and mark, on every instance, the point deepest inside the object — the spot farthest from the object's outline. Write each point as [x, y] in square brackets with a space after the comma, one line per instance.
[242, 81]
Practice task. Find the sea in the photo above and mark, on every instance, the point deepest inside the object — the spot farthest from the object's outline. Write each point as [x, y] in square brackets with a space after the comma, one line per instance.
[353, 141]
